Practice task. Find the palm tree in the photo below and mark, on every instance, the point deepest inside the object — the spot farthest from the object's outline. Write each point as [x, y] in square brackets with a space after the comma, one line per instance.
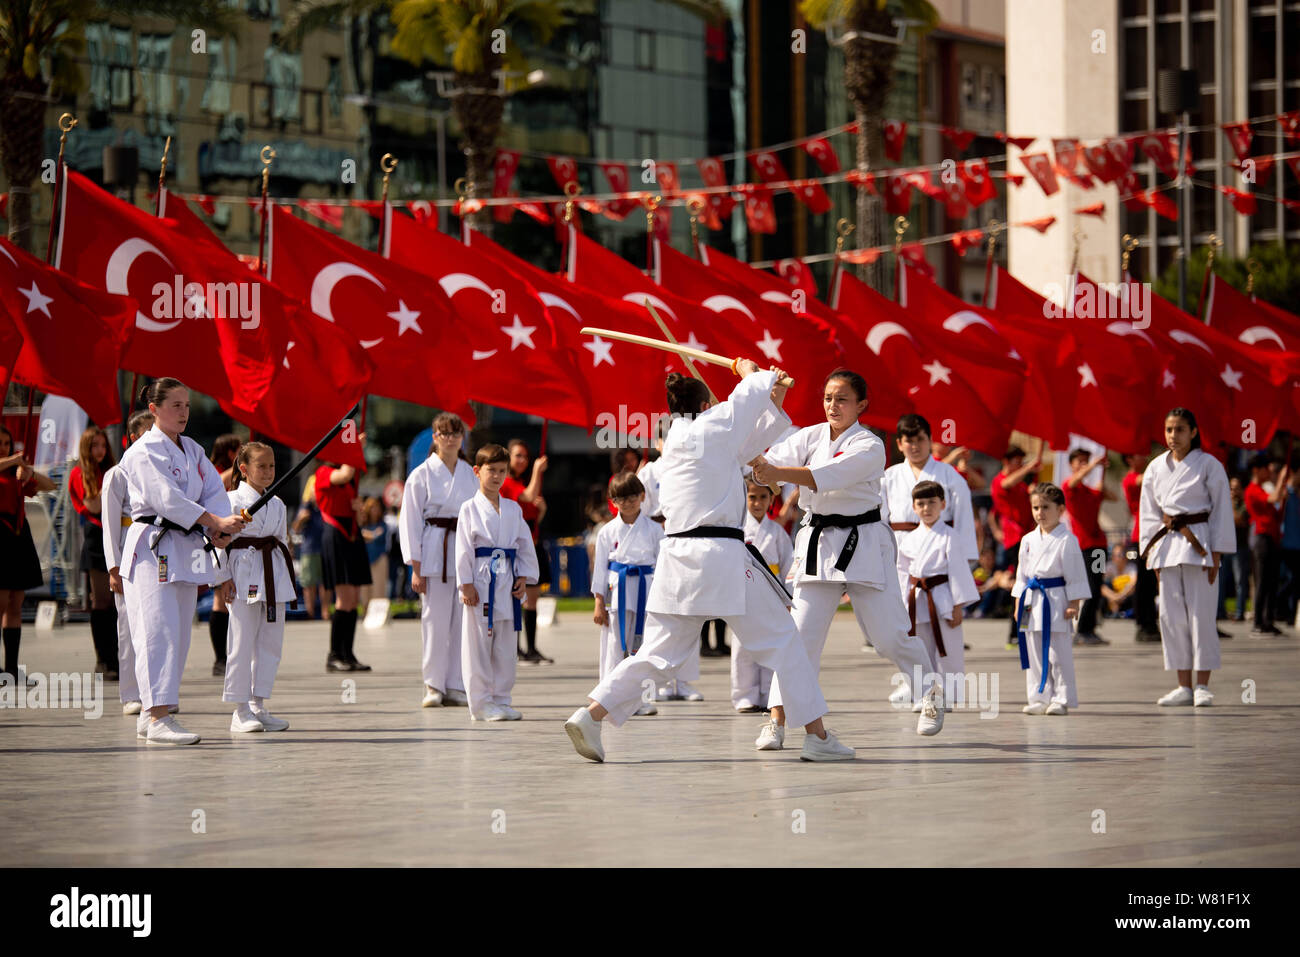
[39, 40]
[868, 74]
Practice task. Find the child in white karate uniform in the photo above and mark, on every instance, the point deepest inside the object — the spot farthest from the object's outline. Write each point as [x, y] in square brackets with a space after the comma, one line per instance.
[256, 593]
[937, 584]
[750, 681]
[495, 560]
[1051, 572]
[627, 548]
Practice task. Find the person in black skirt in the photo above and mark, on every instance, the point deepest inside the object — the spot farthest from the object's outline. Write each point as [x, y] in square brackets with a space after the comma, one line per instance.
[85, 482]
[345, 567]
[224, 450]
[20, 567]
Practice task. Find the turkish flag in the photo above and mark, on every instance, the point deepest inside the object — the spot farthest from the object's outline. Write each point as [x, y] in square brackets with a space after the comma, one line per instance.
[797, 273]
[954, 197]
[503, 174]
[1067, 155]
[53, 312]
[1242, 201]
[895, 136]
[616, 174]
[1100, 162]
[714, 174]
[1289, 124]
[565, 171]
[1162, 149]
[960, 139]
[1019, 142]
[668, 178]
[820, 149]
[759, 211]
[1253, 322]
[1130, 191]
[966, 240]
[203, 318]
[811, 194]
[769, 166]
[327, 213]
[898, 194]
[979, 184]
[1040, 168]
[1239, 136]
[1261, 168]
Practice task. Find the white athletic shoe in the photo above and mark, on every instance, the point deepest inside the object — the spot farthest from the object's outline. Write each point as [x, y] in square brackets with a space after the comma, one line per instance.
[244, 720]
[484, 714]
[508, 713]
[494, 712]
[432, 699]
[901, 695]
[917, 705]
[829, 748]
[269, 721]
[455, 698]
[1035, 707]
[142, 726]
[167, 731]
[584, 731]
[931, 720]
[646, 709]
[771, 737]
[131, 707]
[687, 692]
[1179, 696]
[1201, 697]
[1056, 708]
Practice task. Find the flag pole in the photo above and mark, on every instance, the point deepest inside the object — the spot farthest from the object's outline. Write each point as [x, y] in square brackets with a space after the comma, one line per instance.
[994, 227]
[268, 154]
[842, 230]
[651, 204]
[693, 207]
[571, 190]
[900, 226]
[162, 178]
[1212, 243]
[67, 122]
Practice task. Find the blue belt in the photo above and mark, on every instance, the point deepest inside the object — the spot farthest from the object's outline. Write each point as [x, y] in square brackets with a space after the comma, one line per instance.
[1037, 584]
[484, 552]
[641, 572]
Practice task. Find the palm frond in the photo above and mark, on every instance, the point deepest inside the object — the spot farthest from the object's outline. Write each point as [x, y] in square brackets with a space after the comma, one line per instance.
[306, 16]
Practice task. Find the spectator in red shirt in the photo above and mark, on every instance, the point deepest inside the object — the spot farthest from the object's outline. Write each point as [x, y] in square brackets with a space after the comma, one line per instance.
[1011, 517]
[1084, 504]
[84, 484]
[1264, 506]
[345, 566]
[533, 506]
[1144, 595]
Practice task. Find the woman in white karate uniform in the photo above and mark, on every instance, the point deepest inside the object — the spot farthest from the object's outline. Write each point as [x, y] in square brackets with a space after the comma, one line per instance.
[843, 545]
[705, 570]
[431, 501]
[1185, 526]
[174, 491]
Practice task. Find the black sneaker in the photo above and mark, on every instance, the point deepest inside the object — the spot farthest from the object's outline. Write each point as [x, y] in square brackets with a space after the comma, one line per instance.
[334, 663]
[218, 669]
[358, 666]
[1147, 634]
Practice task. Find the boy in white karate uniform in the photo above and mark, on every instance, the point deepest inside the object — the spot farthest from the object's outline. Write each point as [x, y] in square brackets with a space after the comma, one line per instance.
[750, 681]
[627, 548]
[495, 560]
[115, 515]
[1185, 526]
[937, 584]
[1050, 572]
[431, 500]
[259, 583]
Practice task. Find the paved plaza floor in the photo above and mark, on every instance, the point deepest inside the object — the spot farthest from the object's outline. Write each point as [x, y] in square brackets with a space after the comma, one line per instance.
[376, 780]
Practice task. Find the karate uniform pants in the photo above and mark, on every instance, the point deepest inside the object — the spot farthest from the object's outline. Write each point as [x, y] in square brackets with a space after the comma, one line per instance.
[953, 663]
[688, 671]
[611, 648]
[487, 663]
[751, 683]
[1187, 631]
[253, 651]
[128, 688]
[1060, 668]
[440, 614]
[765, 630]
[881, 615]
[161, 616]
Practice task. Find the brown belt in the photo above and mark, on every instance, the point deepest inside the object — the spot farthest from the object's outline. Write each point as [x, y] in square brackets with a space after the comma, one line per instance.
[926, 585]
[1179, 523]
[450, 525]
[267, 545]
[910, 526]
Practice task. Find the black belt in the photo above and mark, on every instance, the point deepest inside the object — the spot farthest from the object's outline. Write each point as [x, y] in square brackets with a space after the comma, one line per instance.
[167, 525]
[818, 522]
[726, 531]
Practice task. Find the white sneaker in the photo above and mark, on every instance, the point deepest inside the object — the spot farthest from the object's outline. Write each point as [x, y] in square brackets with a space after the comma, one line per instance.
[584, 731]
[771, 737]
[825, 749]
[485, 713]
[508, 713]
[1035, 707]
[494, 712]
[901, 695]
[243, 720]
[455, 698]
[142, 726]
[131, 707]
[432, 699]
[1056, 708]
[687, 692]
[1179, 696]
[646, 709]
[663, 694]
[931, 721]
[1201, 697]
[917, 705]
[167, 731]
[269, 721]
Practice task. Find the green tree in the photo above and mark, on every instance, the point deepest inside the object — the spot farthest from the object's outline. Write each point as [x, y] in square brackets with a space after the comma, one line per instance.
[1277, 276]
[868, 73]
[39, 41]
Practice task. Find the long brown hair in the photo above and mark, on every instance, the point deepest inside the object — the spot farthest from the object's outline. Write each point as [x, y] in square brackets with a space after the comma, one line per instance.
[244, 455]
[90, 470]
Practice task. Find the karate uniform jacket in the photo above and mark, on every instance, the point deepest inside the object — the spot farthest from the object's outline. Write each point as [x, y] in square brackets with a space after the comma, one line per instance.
[897, 486]
[432, 491]
[244, 565]
[635, 544]
[1196, 484]
[1054, 555]
[772, 543]
[113, 505]
[926, 552]
[479, 525]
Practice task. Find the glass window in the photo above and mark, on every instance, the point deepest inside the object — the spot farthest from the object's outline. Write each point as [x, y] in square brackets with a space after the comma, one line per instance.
[646, 144]
[1262, 102]
[1133, 8]
[1168, 46]
[1133, 114]
[1262, 63]
[645, 50]
[1135, 58]
[1291, 50]
[1203, 49]
[1169, 7]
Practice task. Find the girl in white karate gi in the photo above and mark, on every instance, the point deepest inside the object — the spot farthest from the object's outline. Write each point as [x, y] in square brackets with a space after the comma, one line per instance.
[431, 502]
[256, 601]
[1051, 571]
[705, 571]
[933, 573]
[1185, 526]
[627, 548]
[174, 491]
[844, 545]
[751, 683]
[116, 516]
[495, 560]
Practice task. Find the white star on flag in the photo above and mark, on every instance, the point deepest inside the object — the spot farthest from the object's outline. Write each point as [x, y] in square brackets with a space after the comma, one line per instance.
[599, 351]
[37, 300]
[938, 372]
[1167, 380]
[406, 317]
[519, 333]
[199, 304]
[694, 343]
[287, 347]
[1086, 377]
[1231, 378]
[769, 346]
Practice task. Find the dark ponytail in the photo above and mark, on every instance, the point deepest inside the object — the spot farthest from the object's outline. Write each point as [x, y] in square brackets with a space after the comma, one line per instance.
[155, 392]
[1187, 416]
[685, 394]
[858, 385]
